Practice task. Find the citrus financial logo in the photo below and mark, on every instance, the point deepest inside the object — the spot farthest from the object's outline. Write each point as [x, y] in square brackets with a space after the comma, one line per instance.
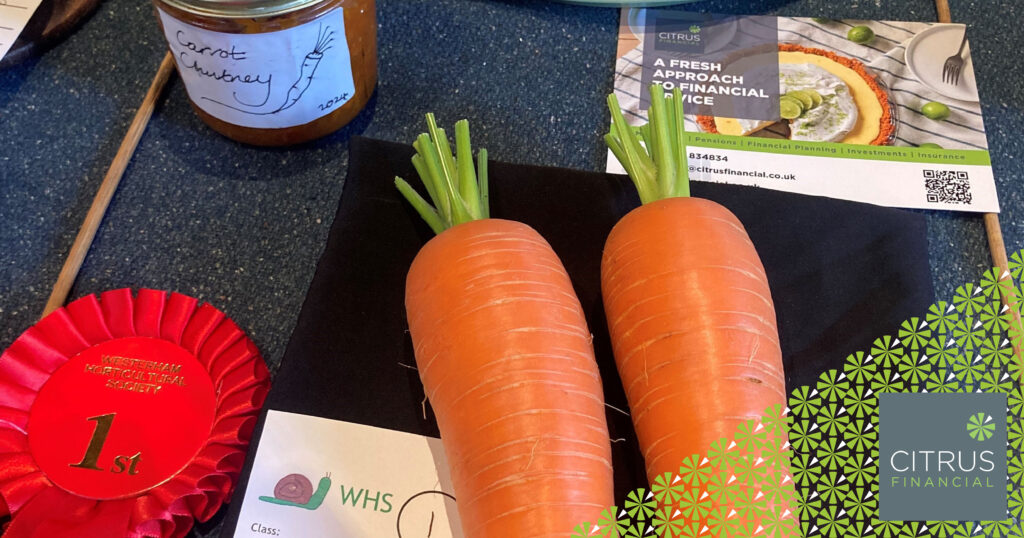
[932, 466]
[677, 32]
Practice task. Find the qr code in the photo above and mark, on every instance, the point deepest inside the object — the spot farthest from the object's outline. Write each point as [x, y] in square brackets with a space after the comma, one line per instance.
[947, 186]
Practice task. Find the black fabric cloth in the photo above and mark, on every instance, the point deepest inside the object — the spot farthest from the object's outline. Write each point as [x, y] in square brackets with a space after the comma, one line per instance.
[841, 274]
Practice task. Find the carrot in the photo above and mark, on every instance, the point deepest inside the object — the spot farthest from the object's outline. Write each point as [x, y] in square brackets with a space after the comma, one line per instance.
[505, 357]
[687, 302]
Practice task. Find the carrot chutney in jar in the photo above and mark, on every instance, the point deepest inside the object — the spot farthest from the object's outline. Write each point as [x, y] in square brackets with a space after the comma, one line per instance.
[273, 72]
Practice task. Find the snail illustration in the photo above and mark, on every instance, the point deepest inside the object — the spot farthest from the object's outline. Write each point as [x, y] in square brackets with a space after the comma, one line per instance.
[296, 490]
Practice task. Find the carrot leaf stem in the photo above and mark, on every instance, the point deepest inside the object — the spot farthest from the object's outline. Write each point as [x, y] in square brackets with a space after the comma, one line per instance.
[630, 153]
[458, 193]
[448, 172]
[425, 147]
[653, 154]
[421, 169]
[467, 178]
[679, 135]
[661, 149]
[420, 205]
[485, 195]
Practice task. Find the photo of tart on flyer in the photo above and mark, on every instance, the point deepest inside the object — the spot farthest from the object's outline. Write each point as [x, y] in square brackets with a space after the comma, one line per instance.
[823, 97]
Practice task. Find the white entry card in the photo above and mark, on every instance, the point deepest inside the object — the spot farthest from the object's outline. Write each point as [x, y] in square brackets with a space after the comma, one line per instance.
[14, 15]
[318, 477]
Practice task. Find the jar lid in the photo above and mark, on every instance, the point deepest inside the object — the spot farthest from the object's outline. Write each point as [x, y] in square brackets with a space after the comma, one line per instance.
[240, 8]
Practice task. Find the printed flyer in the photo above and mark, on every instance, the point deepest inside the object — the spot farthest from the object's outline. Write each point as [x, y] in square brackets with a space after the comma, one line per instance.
[871, 111]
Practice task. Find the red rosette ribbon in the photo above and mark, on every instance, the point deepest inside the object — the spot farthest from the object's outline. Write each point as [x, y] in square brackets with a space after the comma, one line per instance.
[125, 416]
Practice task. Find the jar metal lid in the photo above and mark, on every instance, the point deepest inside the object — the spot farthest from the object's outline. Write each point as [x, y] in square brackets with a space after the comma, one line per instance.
[240, 8]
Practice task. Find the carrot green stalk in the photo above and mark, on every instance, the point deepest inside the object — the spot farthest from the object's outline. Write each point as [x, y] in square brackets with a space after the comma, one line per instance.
[485, 196]
[687, 302]
[467, 178]
[422, 206]
[505, 357]
[658, 166]
[452, 187]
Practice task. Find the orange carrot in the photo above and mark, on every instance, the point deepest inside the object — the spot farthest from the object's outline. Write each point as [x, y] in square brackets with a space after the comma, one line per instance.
[506, 360]
[692, 326]
[689, 310]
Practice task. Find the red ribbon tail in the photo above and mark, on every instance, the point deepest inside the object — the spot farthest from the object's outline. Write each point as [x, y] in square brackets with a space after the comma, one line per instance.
[54, 513]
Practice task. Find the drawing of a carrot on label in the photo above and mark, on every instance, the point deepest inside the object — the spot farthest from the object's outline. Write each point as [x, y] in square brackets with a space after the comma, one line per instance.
[309, 64]
[324, 38]
[296, 490]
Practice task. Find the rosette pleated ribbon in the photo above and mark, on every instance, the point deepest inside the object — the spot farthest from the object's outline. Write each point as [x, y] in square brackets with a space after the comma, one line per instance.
[125, 416]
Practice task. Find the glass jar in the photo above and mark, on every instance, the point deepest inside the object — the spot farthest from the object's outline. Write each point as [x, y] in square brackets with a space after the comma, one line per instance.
[273, 72]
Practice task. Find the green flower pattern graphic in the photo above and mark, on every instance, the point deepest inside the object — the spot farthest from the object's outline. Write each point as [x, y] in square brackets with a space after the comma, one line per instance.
[812, 467]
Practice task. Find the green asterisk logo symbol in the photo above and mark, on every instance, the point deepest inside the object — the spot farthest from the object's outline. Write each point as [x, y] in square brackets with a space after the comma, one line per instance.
[695, 29]
[980, 427]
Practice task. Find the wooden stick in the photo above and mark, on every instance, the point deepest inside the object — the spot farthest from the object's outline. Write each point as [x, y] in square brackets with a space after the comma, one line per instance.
[992, 229]
[995, 241]
[87, 232]
[996, 246]
[942, 6]
[1009, 293]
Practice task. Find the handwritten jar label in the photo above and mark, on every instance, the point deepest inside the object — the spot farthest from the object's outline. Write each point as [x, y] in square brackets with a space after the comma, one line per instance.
[268, 80]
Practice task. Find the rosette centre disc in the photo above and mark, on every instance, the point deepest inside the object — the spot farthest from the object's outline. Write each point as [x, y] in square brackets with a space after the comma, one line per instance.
[122, 417]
